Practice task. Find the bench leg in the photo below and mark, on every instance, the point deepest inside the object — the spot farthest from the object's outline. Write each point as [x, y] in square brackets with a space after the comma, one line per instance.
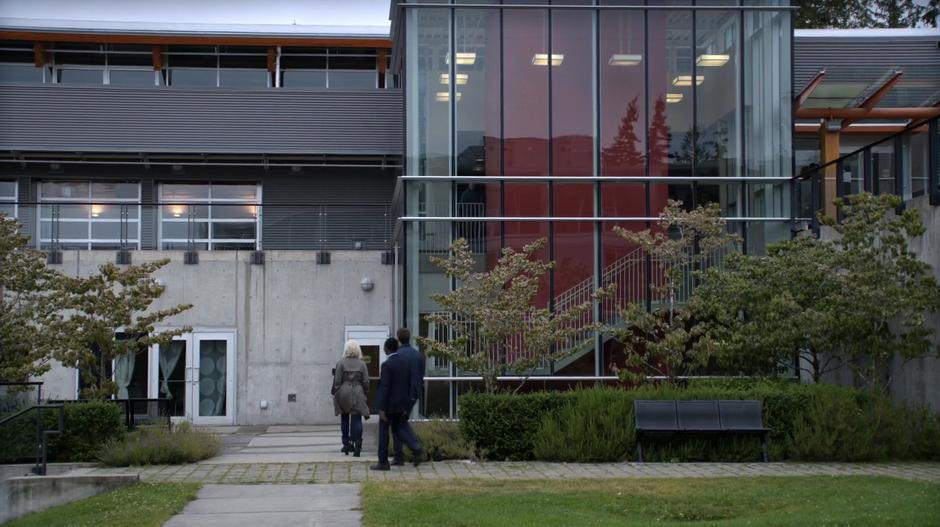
[639, 450]
[763, 448]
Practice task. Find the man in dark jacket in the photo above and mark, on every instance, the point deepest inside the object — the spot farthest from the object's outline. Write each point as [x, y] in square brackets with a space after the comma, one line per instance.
[416, 361]
[393, 399]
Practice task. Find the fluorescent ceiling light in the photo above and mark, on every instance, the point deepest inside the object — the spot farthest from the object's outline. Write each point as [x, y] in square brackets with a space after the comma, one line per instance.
[466, 58]
[621, 59]
[673, 97]
[462, 78]
[712, 60]
[541, 59]
[444, 96]
[686, 80]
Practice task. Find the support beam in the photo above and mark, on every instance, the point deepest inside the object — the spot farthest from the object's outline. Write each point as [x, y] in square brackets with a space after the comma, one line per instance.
[272, 60]
[157, 58]
[39, 54]
[829, 152]
[808, 90]
[878, 94]
[874, 113]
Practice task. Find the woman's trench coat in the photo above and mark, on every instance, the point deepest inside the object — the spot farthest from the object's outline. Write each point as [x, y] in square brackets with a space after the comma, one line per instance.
[350, 386]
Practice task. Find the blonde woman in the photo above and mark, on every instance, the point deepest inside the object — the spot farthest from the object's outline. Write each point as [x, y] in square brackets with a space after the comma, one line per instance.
[350, 386]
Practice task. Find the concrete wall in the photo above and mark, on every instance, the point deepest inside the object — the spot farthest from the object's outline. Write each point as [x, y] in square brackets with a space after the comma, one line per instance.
[23, 495]
[917, 381]
[289, 316]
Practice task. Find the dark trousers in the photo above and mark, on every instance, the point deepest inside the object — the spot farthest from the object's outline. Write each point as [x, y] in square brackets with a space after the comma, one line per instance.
[399, 427]
[351, 427]
[397, 442]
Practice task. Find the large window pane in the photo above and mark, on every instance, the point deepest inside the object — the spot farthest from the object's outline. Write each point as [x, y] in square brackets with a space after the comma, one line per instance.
[81, 76]
[193, 77]
[234, 191]
[352, 79]
[184, 192]
[110, 191]
[477, 81]
[573, 93]
[768, 123]
[525, 91]
[303, 79]
[427, 102]
[64, 189]
[623, 93]
[670, 82]
[131, 77]
[718, 99]
[20, 73]
[244, 78]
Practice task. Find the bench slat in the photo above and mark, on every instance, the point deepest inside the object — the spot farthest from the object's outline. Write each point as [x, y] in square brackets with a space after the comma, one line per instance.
[698, 415]
[655, 415]
[741, 415]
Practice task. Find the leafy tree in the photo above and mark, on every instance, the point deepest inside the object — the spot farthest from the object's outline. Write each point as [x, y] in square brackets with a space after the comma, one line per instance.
[669, 341]
[109, 318]
[659, 136]
[624, 152]
[849, 14]
[30, 303]
[492, 327]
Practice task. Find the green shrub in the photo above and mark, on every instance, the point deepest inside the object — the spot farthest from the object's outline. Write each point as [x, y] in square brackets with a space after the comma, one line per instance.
[442, 440]
[502, 426]
[808, 422]
[156, 445]
[88, 427]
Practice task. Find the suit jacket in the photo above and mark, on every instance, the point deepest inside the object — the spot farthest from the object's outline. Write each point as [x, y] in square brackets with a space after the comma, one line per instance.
[394, 392]
[417, 363]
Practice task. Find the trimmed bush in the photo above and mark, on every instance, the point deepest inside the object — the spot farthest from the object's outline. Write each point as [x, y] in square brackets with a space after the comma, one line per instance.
[88, 427]
[155, 445]
[442, 440]
[808, 422]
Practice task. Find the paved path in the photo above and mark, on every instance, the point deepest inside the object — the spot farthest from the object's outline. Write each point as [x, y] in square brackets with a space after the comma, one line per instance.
[272, 505]
[288, 444]
[348, 472]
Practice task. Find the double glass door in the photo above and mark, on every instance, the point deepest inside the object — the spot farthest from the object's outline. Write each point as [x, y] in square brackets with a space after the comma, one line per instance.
[197, 373]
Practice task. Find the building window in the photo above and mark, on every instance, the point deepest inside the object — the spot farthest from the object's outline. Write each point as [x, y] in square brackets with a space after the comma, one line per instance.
[8, 198]
[209, 216]
[89, 215]
[17, 63]
[328, 68]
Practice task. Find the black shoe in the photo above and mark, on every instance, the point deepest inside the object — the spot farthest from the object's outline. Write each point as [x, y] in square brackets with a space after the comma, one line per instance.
[380, 466]
[418, 456]
[347, 448]
[398, 462]
[357, 448]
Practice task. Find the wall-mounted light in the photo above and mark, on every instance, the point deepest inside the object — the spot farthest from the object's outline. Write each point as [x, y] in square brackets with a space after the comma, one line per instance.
[711, 61]
[541, 59]
[367, 284]
[686, 80]
[673, 97]
[176, 211]
[462, 78]
[253, 210]
[624, 59]
[465, 58]
[96, 210]
[444, 96]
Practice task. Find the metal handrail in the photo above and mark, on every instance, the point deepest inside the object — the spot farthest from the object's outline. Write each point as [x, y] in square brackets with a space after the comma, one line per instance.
[42, 435]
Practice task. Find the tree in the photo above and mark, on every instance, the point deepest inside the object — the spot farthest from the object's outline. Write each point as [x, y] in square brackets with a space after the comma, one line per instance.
[669, 341]
[110, 319]
[624, 152]
[659, 136]
[30, 303]
[491, 325]
[849, 14]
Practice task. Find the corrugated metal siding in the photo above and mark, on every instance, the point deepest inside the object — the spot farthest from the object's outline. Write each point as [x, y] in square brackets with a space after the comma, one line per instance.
[275, 121]
[865, 60]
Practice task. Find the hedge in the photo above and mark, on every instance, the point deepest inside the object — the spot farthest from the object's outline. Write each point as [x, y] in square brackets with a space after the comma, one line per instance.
[808, 422]
[88, 427]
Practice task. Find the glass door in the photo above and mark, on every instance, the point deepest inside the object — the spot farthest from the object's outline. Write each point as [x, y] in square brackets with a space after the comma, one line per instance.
[169, 380]
[212, 378]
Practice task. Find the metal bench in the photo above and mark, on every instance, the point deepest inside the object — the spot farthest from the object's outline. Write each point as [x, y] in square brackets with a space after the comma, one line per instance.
[666, 418]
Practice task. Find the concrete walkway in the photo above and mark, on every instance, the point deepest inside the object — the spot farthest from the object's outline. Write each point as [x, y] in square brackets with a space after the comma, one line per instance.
[272, 505]
[289, 444]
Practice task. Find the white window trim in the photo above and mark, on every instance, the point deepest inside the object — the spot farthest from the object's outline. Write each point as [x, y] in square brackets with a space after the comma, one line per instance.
[89, 200]
[209, 241]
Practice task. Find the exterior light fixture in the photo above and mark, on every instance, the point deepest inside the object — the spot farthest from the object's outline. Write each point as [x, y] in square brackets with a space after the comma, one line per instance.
[672, 98]
[444, 96]
[96, 210]
[623, 59]
[711, 61]
[366, 284]
[253, 210]
[465, 58]
[686, 80]
[176, 211]
[462, 78]
[541, 59]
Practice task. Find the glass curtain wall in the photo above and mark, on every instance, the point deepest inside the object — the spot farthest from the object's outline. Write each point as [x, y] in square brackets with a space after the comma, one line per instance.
[533, 121]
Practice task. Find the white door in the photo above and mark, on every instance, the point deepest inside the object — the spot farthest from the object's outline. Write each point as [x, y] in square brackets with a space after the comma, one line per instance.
[371, 339]
[197, 373]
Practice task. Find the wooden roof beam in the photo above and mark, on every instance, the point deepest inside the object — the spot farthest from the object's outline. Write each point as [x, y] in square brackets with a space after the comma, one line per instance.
[919, 112]
[879, 93]
[808, 90]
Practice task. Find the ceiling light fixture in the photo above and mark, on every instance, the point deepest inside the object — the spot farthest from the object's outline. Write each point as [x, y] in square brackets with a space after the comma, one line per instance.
[444, 96]
[673, 97]
[541, 59]
[711, 61]
[624, 59]
[462, 78]
[686, 80]
[465, 58]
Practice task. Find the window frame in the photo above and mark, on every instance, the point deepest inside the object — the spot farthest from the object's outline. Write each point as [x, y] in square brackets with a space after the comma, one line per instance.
[89, 200]
[209, 240]
[5, 199]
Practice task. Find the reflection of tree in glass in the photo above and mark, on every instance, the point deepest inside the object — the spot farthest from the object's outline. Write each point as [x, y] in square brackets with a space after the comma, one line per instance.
[659, 134]
[623, 153]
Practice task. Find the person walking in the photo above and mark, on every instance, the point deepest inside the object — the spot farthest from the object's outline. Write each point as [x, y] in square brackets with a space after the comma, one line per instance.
[393, 400]
[350, 387]
[417, 365]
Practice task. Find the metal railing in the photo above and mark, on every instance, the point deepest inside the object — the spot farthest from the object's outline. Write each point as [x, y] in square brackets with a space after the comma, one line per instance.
[200, 226]
[16, 417]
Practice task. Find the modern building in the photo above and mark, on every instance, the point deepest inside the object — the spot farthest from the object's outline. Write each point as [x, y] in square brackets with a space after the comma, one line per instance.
[300, 164]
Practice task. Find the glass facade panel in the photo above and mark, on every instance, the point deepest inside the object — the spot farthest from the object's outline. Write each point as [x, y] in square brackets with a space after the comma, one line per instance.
[623, 102]
[244, 78]
[140, 77]
[213, 216]
[352, 79]
[525, 91]
[477, 76]
[303, 78]
[427, 106]
[718, 96]
[8, 194]
[81, 76]
[89, 215]
[572, 86]
[194, 77]
[20, 73]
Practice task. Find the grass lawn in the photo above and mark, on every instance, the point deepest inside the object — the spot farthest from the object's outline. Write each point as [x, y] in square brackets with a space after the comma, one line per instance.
[778, 501]
[143, 504]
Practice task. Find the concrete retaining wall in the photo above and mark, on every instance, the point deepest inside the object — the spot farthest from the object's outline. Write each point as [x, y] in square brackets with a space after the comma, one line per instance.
[23, 495]
[289, 317]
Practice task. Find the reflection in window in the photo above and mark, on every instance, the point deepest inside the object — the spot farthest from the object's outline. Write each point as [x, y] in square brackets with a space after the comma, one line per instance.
[80, 76]
[86, 215]
[132, 77]
[427, 104]
[209, 216]
[8, 193]
[477, 112]
[671, 145]
[20, 73]
[716, 57]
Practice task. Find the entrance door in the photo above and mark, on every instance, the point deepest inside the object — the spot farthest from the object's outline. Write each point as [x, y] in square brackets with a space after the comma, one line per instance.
[197, 372]
[370, 339]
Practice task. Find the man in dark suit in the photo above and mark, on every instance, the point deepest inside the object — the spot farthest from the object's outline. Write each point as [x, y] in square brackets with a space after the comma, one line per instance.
[393, 399]
[416, 361]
